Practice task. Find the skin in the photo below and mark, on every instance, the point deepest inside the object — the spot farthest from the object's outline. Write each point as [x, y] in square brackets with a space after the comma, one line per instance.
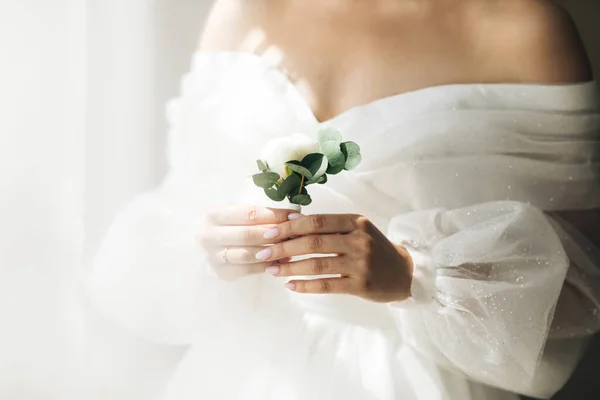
[342, 54]
[247, 240]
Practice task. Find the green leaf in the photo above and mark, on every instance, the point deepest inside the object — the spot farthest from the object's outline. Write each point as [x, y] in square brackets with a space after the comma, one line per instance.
[262, 167]
[301, 199]
[329, 135]
[296, 166]
[320, 180]
[316, 163]
[291, 184]
[265, 179]
[273, 194]
[351, 152]
[335, 157]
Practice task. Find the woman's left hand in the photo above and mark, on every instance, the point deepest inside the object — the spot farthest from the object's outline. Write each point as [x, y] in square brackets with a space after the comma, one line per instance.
[370, 265]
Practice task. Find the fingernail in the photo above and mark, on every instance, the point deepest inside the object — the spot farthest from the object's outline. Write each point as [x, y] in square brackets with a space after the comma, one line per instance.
[273, 270]
[290, 286]
[294, 216]
[272, 234]
[264, 254]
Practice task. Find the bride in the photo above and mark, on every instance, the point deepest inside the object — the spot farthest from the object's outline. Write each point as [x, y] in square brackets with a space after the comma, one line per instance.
[457, 262]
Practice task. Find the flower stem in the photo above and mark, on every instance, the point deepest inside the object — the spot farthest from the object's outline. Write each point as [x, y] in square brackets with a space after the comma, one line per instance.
[301, 184]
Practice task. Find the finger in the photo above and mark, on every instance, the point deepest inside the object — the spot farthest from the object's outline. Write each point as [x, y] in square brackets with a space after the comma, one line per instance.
[314, 244]
[310, 266]
[322, 286]
[248, 215]
[222, 236]
[313, 224]
[235, 255]
[231, 272]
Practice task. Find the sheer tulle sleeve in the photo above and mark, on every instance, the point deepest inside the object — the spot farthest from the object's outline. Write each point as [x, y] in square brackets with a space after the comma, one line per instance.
[486, 282]
[148, 272]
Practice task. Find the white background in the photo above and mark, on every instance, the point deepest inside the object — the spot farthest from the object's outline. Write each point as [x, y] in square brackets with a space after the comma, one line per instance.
[82, 92]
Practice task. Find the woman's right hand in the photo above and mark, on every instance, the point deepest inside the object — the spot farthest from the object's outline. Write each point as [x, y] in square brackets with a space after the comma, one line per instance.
[233, 238]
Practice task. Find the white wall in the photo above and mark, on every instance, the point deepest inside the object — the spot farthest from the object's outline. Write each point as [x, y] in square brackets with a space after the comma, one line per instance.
[42, 81]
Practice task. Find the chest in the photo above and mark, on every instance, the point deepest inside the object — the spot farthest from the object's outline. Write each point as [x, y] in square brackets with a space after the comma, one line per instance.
[342, 61]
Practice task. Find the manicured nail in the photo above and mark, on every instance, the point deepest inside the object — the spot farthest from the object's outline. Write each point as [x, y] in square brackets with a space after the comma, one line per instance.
[294, 216]
[272, 234]
[273, 270]
[264, 254]
[290, 286]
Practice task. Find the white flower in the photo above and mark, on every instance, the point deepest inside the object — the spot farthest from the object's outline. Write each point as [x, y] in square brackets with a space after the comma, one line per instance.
[281, 150]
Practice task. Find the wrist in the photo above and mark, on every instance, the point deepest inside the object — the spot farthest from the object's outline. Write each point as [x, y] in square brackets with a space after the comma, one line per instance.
[407, 267]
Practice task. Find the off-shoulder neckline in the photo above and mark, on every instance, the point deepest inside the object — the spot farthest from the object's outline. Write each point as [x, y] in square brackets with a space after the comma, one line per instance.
[585, 89]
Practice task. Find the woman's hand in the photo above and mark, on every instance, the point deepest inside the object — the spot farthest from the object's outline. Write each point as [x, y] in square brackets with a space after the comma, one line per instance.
[370, 265]
[233, 236]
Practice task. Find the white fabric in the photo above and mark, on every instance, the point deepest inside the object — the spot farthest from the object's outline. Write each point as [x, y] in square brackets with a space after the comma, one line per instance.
[457, 173]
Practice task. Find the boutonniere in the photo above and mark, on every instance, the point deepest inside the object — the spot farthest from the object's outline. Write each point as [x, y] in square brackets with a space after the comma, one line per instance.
[288, 165]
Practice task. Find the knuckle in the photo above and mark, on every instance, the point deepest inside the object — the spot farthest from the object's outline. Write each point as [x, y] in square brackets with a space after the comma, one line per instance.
[364, 243]
[315, 242]
[317, 221]
[284, 231]
[362, 222]
[252, 214]
[324, 286]
[362, 265]
[317, 266]
[247, 235]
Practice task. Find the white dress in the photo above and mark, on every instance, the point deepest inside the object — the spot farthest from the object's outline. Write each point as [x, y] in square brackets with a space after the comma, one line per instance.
[469, 177]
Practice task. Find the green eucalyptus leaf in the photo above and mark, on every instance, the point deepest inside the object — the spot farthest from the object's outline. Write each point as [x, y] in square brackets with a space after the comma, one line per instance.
[289, 185]
[298, 167]
[321, 180]
[273, 194]
[265, 179]
[262, 167]
[316, 163]
[351, 152]
[301, 199]
[335, 157]
[329, 135]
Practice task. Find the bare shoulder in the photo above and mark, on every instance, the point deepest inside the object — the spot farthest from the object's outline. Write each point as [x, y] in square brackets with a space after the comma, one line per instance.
[234, 25]
[533, 41]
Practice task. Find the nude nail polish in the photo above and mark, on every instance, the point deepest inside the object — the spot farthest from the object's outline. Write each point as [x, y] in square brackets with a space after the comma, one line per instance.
[273, 270]
[264, 254]
[272, 234]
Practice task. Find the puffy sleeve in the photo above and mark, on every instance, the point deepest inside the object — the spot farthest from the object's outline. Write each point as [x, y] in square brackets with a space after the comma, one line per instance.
[486, 283]
[148, 272]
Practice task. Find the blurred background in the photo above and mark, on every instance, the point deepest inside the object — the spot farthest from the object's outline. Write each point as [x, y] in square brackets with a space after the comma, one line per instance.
[83, 85]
